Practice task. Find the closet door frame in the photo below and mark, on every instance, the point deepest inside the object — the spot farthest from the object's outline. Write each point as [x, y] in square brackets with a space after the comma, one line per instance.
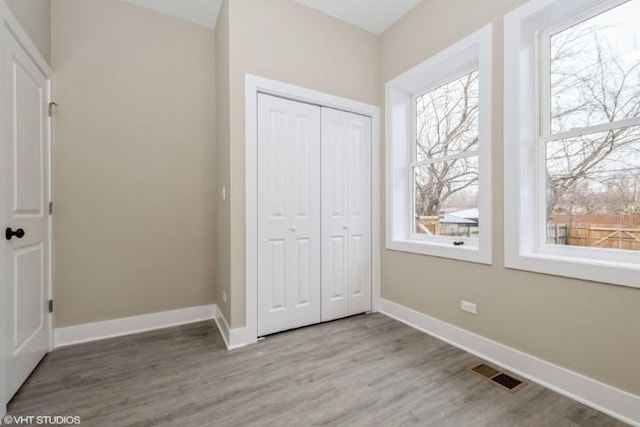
[253, 86]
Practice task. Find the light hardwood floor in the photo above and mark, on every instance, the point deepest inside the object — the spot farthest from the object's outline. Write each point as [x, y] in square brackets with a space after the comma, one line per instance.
[367, 370]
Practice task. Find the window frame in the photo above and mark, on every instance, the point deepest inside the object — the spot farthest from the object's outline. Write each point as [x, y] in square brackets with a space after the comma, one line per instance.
[528, 32]
[474, 52]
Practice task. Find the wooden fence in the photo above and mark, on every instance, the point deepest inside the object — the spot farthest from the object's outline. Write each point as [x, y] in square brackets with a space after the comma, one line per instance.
[428, 225]
[605, 237]
[557, 234]
[594, 236]
[628, 220]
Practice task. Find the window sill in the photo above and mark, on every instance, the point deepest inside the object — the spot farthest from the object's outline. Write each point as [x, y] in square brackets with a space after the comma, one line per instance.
[441, 250]
[616, 273]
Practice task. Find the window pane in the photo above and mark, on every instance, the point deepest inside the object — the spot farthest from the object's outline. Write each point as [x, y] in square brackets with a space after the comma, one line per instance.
[593, 190]
[595, 70]
[446, 195]
[447, 119]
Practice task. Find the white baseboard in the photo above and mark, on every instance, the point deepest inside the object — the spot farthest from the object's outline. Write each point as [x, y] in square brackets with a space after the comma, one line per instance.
[223, 327]
[609, 400]
[238, 338]
[130, 325]
[233, 338]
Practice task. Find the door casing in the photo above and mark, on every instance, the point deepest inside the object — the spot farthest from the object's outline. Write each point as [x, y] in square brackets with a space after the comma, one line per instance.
[10, 23]
[253, 86]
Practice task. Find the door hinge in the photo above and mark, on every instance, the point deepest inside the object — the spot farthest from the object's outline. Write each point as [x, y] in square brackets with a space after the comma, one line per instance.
[52, 109]
[50, 306]
[50, 208]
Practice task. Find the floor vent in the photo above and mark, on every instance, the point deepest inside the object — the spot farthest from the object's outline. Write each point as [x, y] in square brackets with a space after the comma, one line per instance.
[500, 378]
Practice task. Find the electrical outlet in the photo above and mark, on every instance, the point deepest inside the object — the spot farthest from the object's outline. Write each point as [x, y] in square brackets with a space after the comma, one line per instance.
[469, 307]
[224, 297]
[224, 192]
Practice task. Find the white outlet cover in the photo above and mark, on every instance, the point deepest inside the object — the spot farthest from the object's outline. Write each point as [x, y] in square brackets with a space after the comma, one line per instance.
[468, 307]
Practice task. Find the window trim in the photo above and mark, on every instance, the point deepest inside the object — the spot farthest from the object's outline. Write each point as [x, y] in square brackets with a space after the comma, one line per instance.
[526, 30]
[474, 52]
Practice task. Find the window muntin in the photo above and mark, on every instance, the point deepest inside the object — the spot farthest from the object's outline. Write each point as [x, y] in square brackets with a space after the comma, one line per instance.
[590, 133]
[445, 157]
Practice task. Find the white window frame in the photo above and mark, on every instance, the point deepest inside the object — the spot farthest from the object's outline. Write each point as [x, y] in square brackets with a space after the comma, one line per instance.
[474, 52]
[526, 129]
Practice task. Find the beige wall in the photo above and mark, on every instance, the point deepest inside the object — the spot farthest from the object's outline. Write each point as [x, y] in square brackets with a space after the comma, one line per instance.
[587, 327]
[283, 40]
[223, 220]
[134, 161]
[35, 18]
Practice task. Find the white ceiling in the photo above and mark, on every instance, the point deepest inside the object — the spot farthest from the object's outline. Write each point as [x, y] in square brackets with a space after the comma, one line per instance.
[374, 16]
[203, 12]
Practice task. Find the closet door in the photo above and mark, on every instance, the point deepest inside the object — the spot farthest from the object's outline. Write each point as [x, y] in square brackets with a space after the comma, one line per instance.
[346, 214]
[288, 214]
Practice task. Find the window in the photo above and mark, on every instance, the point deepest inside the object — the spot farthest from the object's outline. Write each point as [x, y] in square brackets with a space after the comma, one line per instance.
[439, 154]
[445, 163]
[572, 126]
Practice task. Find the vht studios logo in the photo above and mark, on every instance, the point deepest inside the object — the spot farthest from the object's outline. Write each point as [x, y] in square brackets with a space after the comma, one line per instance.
[40, 420]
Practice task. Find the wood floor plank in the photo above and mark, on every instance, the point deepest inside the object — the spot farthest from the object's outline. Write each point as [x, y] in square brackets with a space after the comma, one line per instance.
[365, 371]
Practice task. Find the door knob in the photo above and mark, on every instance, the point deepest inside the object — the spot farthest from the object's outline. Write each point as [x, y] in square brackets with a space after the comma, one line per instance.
[9, 233]
[293, 228]
[346, 227]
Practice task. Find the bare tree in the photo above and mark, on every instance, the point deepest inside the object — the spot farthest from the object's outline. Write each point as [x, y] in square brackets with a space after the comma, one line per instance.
[592, 84]
[447, 125]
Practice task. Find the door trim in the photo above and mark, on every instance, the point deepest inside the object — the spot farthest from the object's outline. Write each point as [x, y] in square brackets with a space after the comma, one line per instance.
[253, 86]
[10, 22]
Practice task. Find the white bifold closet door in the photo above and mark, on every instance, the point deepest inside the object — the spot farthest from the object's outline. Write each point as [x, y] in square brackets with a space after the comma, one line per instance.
[314, 214]
[288, 214]
[346, 214]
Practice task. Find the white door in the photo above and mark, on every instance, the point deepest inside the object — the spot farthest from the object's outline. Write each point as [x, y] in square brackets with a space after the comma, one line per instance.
[288, 214]
[25, 203]
[346, 214]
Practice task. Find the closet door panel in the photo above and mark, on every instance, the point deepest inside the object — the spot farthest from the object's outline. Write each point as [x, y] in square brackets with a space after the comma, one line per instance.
[304, 205]
[346, 214]
[359, 213]
[334, 216]
[288, 214]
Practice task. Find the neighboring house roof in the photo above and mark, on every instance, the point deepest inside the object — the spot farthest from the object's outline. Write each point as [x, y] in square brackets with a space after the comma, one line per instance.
[467, 214]
[454, 219]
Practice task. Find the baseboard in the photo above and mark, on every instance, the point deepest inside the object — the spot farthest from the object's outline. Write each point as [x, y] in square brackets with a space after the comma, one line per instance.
[130, 325]
[609, 400]
[233, 338]
[223, 327]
